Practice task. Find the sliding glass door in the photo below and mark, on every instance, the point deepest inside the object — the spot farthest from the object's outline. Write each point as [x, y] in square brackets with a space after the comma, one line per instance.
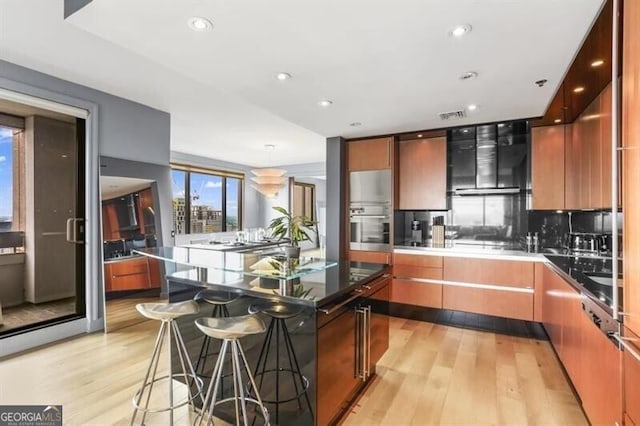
[42, 203]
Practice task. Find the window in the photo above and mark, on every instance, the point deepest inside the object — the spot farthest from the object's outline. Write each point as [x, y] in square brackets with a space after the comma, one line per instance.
[304, 199]
[11, 173]
[214, 203]
[6, 178]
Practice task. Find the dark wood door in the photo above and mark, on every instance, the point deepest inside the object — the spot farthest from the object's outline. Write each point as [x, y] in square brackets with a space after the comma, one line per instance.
[632, 381]
[379, 302]
[336, 365]
[422, 174]
[547, 167]
[370, 154]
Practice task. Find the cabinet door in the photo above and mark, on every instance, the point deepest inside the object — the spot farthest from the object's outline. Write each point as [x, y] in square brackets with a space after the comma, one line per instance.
[107, 278]
[416, 293]
[379, 302]
[370, 154]
[631, 163]
[605, 148]
[573, 167]
[110, 227]
[336, 366]
[155, 277]
[547, 167]
[552, 307]
[422, 174]
[631, 369]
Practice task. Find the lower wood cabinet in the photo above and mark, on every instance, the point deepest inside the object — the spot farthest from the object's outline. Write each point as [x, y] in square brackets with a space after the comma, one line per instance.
[411, 283]
[631, 380]
[416, 293]
[502, 288]
[129, 274]
[370, 256]
[591, 360]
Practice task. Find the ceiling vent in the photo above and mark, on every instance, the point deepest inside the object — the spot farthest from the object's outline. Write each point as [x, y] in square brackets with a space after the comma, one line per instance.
[452, 115]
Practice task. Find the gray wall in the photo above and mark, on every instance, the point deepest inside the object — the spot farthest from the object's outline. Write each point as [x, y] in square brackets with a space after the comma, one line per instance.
[116, 128]
[126, 129]
[336, 203]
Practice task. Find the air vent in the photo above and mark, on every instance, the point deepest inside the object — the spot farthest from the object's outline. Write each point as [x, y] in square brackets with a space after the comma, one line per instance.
[452, 115]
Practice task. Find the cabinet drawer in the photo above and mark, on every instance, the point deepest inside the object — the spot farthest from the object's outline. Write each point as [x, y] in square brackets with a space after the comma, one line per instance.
[408, 271]
[417, 260]
[500, 303]
[416, 293]
[129, 282]
[370, 256]
[509, 273]
[128, 267]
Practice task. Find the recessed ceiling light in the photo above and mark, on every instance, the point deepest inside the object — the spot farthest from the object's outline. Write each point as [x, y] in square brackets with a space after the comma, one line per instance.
[557, 120]
[420, 135]
[500, 124]
[578, 89]
[472, 107]
[325, 103]
[355, 124]
[460, 30]
[469, 75]
[197, 23]
[597, 63]
[282, 76]
[465, 130]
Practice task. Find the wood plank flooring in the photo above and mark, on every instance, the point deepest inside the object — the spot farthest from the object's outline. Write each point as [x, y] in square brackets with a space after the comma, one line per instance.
[440, 375]
[122, 312]
[431, 374]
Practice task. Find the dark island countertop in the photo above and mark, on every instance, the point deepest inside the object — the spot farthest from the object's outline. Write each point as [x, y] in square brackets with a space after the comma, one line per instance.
[307, 281]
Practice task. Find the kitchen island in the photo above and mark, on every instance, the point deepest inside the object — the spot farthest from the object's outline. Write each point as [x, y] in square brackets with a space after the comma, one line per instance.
[339, 331]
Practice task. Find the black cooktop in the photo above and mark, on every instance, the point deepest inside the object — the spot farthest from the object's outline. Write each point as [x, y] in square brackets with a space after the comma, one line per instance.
[593, 274]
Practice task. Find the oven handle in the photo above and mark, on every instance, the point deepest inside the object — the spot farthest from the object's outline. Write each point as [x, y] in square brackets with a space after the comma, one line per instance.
[627, 346]
[370, 216]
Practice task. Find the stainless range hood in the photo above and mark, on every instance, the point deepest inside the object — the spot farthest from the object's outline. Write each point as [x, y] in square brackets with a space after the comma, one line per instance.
[489, 159]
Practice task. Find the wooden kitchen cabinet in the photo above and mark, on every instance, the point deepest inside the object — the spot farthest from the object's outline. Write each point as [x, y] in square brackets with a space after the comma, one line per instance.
[127, 274]
[336, 381]
[155, 274]
[370, 256]
[110, 228]
[370, 154]
[407, 287]
[547, 167]
[631, 164]
[379, 302]
[474, 285]
[422, 174]
[631, 380]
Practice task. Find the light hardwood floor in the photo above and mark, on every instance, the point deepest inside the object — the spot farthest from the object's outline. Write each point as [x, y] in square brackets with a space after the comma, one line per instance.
[432, 374]
[122, 312]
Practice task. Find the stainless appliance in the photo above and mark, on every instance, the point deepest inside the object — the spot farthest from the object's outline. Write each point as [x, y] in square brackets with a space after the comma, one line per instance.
[369, 227]
[370, 210]
[370, 187]
[585, 242]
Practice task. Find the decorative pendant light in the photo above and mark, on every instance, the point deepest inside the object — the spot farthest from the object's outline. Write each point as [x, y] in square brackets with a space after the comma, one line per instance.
[268, 181]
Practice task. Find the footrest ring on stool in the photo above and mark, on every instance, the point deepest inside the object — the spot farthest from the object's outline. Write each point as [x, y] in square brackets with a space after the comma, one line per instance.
[200, 415]
[160, 379]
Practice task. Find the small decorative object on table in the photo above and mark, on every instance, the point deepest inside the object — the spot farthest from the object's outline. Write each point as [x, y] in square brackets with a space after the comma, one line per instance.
[296, 228]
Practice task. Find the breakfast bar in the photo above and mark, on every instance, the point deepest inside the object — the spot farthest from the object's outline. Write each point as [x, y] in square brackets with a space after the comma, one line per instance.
[327, 325]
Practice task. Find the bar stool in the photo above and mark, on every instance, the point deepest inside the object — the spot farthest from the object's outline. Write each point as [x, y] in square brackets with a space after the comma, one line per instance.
[229, 330]
[279, 313]
[167, 313]
[219, 299]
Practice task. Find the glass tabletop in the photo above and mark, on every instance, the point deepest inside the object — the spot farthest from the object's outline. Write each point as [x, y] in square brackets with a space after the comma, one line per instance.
[274, 265]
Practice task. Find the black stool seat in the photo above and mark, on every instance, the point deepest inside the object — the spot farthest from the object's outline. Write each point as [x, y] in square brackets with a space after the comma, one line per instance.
[215, 297]
[275, 309]
[278, 364]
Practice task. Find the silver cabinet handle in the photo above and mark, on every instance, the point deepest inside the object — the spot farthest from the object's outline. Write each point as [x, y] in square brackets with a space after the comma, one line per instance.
[341, 304]
[368, 357]
[627, 346]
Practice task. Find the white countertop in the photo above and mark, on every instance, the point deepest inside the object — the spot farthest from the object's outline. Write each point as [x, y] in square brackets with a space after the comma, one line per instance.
[472, 252]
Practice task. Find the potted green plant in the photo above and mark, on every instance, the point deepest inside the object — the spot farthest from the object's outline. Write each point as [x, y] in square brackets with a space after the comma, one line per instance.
[296, 228]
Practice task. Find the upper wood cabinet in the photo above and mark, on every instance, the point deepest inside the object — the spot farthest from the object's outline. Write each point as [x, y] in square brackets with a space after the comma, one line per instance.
[631, 164]
[370, 154]
[110, 229]
[571, 164]
[422, 174]
[547, 167]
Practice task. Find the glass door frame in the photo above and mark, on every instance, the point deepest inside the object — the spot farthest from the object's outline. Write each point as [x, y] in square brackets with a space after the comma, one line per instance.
[93, 319]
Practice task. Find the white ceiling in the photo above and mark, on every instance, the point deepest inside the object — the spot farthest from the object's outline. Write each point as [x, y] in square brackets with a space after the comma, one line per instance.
[115, 186]
[390, 65]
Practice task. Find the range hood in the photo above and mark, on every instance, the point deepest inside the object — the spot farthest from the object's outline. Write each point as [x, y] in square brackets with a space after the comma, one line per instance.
[488, 159]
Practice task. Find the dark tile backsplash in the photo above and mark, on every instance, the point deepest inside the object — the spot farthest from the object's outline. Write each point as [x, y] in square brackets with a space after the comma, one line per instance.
[478, 219]
[553, 228]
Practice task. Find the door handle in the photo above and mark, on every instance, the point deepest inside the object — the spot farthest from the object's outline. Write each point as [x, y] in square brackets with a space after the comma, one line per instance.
[627, 346]
[72, 229]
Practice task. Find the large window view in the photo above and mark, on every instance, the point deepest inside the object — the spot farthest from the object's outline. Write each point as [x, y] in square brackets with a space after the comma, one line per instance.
[6, 178]
[213, 204]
